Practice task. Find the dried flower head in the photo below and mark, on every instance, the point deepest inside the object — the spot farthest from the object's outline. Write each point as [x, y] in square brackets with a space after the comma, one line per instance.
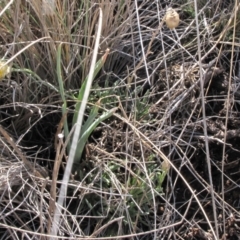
[165, 166]
[4, 69]
[172, 18]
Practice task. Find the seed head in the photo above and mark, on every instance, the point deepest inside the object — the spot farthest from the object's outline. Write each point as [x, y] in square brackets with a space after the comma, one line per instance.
[172, 18]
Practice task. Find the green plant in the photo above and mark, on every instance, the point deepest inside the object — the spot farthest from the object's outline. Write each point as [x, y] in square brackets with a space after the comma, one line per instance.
[93, 119]
[139, 202]
[142, 106]
[141, 192]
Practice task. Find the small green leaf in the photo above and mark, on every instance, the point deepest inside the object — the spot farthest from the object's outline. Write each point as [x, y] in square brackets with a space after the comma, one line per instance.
[61, 89]
[98, 67]
[85, 135]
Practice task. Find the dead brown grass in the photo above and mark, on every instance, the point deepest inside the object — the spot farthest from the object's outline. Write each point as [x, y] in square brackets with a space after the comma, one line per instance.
[155, 73]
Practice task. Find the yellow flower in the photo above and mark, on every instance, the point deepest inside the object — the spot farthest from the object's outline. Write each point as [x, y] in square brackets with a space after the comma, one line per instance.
[4, 69]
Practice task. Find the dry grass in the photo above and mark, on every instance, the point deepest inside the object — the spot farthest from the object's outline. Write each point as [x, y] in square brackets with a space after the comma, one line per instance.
[168, 123]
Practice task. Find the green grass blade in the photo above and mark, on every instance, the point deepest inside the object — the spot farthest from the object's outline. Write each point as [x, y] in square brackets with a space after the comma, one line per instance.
[97, 68]
[93, 114]
[59, 73]
[61, 89]
[85, 135]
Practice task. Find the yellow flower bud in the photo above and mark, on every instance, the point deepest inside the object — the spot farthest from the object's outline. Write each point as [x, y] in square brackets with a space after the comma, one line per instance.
[4, 69]
[172, 18]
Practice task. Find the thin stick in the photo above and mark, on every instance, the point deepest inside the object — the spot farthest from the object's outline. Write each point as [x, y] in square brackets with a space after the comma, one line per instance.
[227, 105]
[215, 234]
[67, 173]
